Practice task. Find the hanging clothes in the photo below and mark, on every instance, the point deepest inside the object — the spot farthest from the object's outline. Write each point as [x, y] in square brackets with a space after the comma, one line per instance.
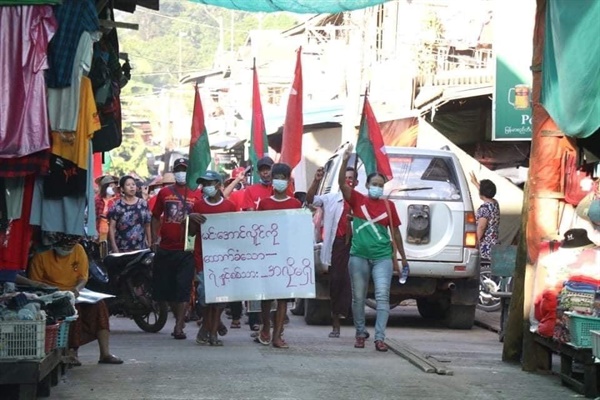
[70, 215]
[74, 17]
[25, 31]
[14, 243]
[63, 103]
[32, 164]
[14, 188]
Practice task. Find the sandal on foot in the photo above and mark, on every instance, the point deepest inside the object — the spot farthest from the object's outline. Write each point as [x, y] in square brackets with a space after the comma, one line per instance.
[280, 344]
[179, 335]
[255, 327]
[265, 340]
[235, 325]
[202, 338]
[381, 346]
[222, 331]
[110, 360]
[215, 341]
[334, 334]
[360, 342]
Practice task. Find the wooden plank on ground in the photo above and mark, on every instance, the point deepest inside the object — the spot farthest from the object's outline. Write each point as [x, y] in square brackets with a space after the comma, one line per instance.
[422, 361]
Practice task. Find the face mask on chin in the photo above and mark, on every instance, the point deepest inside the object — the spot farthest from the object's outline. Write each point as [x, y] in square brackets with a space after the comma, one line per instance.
[63, 251]
[180, 177]
[375, 192]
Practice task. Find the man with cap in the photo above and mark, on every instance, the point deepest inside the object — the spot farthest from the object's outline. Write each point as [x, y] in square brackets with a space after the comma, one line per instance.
[173, 272]
[260, 190]
[213, 202]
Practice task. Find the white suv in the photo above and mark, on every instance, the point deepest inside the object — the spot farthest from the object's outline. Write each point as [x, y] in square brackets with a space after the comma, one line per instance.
[438, 227]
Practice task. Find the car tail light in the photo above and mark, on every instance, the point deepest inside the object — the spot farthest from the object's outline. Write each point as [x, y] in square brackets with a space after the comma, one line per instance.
[470, 239]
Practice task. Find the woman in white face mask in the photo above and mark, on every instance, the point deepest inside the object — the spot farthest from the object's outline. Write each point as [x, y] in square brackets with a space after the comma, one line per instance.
[371, 252]
[103, 199]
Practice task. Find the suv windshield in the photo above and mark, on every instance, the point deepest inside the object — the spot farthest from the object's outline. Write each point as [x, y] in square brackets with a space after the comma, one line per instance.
[423, 177]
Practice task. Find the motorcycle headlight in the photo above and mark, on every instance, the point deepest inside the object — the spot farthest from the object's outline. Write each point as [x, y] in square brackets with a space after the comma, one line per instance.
[148, 259]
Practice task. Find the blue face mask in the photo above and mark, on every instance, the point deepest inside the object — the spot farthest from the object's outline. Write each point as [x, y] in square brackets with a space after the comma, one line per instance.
[280, 185]
[209, 191]
[375, 192]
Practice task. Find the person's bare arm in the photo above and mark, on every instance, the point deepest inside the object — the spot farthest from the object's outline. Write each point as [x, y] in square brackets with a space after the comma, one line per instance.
[154, 224]
[474, 180]
[196, 219]
[344, 188]
[23, 281]
[229, 189]
[148, 233]
[314, 186]
[112, 230]
[79, 286]
[400, 245]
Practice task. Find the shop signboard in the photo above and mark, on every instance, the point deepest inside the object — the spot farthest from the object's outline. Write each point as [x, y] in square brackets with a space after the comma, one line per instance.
[513, 47]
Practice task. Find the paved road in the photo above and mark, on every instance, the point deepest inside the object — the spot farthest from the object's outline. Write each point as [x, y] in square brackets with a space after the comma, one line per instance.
[315, 367]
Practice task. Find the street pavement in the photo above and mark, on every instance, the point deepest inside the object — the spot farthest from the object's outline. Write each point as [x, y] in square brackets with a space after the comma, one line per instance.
[315, 367]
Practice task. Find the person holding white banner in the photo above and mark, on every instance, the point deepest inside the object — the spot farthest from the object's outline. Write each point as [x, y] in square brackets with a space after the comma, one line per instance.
[213, 202]
[371, 252]
[280, 200]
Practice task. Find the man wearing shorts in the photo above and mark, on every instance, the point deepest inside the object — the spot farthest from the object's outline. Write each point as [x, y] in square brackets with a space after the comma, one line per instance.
[174, 268]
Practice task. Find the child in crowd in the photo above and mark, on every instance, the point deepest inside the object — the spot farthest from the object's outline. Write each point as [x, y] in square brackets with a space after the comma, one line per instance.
[212, 202]
[280, 200]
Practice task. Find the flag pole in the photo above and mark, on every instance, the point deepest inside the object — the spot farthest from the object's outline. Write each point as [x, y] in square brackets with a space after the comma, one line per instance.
[361, 122]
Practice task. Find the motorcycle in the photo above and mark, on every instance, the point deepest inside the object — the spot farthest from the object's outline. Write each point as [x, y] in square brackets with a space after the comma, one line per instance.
[489, 284]
[128, 277]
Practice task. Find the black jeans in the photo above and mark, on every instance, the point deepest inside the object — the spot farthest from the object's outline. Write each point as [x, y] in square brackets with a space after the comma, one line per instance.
[236, 310]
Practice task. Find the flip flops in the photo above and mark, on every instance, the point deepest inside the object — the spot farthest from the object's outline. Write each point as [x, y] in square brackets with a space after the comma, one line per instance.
[334, 334]
[179, 335]
[222, 331]
[110, 360]
[235, 325]
[264, 340]
[280, 344]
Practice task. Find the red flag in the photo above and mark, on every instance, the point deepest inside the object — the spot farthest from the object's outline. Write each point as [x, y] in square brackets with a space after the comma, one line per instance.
[293, 128]
[370, 147]
[258, 136]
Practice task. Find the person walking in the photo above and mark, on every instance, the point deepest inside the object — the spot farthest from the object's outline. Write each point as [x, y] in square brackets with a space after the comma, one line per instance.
[371, 252]
[335, 251]
[173, 270]
[102, 204]
[129, 218]
[213, 202]
[280, 200]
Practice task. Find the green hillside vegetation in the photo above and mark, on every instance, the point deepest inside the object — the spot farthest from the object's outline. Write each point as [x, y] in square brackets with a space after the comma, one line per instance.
[183, 38]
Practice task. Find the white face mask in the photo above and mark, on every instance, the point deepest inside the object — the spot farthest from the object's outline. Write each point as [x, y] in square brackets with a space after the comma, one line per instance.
[61, 251]
[180, 177]
[110, 191]
[280, 185]
[209, 191]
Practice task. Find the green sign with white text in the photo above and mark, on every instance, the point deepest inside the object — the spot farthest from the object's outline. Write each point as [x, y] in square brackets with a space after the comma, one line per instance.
[513, 47]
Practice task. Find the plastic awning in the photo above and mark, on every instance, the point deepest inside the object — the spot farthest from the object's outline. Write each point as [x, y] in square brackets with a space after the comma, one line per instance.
[295, 6]
[571, 66]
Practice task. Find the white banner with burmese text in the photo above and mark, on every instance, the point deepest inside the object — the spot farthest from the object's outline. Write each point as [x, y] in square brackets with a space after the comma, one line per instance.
[258, 255]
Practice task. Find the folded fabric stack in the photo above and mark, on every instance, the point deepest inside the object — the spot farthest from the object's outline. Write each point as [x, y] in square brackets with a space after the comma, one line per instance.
[575, 296]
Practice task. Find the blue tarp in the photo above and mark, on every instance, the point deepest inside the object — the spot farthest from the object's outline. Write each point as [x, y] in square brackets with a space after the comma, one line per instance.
[295, 6]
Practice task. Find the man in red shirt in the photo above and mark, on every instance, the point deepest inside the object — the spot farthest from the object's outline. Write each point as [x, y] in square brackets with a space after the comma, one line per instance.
[173, 271]
[263, 189]
[278, 201]
[213, 202]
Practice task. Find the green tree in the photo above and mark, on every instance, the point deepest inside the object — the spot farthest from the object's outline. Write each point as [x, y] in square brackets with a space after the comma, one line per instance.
[130, 156]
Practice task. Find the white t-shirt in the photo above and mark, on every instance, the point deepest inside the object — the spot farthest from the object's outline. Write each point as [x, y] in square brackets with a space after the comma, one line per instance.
[63, 103]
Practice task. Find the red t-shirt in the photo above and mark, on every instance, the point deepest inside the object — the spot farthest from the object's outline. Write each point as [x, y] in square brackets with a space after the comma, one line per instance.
[254, 193]
[271, 203]
[171, 209]
[201, 206]
[344, 224]
[237, 198]
[375, 209]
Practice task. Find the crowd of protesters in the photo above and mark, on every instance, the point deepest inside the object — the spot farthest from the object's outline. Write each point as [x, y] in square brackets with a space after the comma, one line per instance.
[133, 215]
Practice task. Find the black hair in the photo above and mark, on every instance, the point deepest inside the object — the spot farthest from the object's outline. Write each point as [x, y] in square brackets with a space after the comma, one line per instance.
[487, 188]
[281, 169]
[104, 188]
[124, 179]
[374, 174]
[348, 169]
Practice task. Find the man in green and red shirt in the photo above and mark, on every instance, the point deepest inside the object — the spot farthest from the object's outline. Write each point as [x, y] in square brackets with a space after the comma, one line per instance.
[173, 272]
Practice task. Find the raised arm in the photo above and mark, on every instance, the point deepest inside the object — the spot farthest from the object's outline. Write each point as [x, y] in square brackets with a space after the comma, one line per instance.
[344, 188]
[312, 190]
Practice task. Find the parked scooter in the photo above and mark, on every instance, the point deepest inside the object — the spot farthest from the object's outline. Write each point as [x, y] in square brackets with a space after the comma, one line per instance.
[488, 284]
[128, 277]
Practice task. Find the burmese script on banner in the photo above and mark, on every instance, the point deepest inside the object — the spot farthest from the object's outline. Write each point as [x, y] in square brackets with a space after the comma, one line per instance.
[258, 256]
